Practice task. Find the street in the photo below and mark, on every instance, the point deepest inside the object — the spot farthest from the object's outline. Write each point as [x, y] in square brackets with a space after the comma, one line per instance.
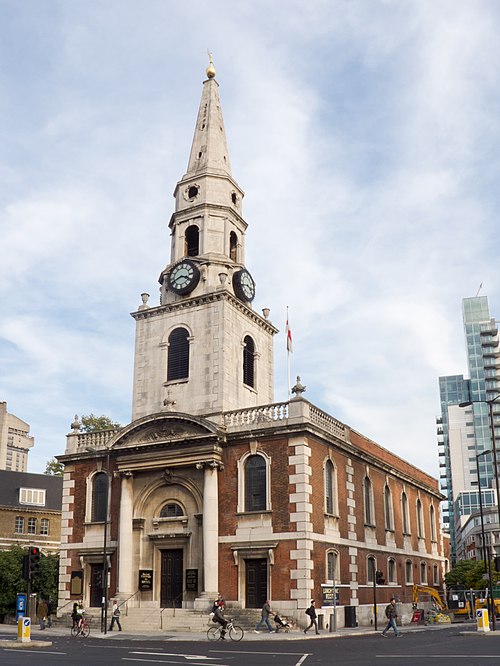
[445, 647]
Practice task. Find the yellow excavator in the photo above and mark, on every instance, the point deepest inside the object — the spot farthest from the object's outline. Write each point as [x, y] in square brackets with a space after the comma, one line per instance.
[439, 613]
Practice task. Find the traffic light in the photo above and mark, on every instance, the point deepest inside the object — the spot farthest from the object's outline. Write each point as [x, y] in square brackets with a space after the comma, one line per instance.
[34, 561]
[497, 563]
[379, 578]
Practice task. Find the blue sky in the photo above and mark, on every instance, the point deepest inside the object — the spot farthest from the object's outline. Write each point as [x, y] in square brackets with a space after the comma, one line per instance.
[365, 136]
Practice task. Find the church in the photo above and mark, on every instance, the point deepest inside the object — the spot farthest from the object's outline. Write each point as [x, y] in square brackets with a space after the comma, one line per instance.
[214, 487]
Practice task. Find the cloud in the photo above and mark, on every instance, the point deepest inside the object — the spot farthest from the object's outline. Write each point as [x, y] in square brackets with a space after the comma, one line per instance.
[365, 137]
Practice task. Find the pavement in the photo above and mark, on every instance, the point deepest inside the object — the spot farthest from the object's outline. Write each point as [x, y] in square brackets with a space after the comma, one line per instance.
[38, 636]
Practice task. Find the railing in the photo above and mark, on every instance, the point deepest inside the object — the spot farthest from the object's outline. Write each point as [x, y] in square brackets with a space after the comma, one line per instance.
[59, 610]
[327, 422]
[96, 440]
[162, 610]
[127, 600]
[266, 414]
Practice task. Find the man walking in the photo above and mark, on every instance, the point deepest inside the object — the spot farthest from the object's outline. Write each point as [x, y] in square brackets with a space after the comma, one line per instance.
[391, 615]
[115, 617]
[311, 611]
[264, 617]
[41, 613]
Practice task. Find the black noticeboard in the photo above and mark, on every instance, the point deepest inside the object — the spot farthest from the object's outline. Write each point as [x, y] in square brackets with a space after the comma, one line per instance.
[191, 580]
[330, 595]
[145, 580]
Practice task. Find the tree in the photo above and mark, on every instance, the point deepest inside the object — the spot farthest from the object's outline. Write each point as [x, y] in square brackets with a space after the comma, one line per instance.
[93, 423]
[54, 467]
[11, 579]
[468, 573]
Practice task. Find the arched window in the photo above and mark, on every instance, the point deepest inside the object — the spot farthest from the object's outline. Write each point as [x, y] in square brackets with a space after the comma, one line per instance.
[409, 572]
[192, 241]
[432, 516]
[178, 354]
[389, 516]
[332, 565]
[171, 510]
[391, 570]
[233, 246]
[420, 520]
[249, 361]
[255, 484]
[368, 500]
[404, 514]
[99, 497]
[423, 573]
[371, 566]
[330, 488]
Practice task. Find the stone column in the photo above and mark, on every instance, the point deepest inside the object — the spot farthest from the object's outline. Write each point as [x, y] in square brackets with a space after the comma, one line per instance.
[210, 535]
[126, 573]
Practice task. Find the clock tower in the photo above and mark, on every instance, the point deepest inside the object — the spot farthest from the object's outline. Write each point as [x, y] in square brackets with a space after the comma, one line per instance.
[204, 350]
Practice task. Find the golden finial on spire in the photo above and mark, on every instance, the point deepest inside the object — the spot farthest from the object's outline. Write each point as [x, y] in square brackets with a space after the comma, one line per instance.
[210, 68]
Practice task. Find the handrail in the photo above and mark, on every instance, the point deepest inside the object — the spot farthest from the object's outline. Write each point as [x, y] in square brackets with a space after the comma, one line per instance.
[128, 599]
[71, 601]
[168, 607]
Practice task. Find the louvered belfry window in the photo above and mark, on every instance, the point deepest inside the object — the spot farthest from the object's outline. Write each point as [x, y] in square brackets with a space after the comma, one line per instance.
[178, 355]
[249, 361]
[255, 484]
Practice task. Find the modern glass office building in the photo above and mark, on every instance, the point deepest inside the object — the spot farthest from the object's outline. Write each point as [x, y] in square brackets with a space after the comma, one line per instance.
[463, 433]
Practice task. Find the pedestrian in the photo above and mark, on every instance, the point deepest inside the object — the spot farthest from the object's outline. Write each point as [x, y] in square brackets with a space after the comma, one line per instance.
[41, 613]
[264, 617]
[50, 611]
[311, 611]
[391, 615]
[115, 616]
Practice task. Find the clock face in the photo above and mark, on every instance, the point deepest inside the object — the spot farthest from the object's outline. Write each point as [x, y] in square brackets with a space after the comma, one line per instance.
[184, 277]
[244, 286]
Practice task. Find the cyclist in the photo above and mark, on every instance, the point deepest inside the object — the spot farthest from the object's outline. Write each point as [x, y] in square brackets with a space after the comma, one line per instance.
[218, 617]
[80, 613]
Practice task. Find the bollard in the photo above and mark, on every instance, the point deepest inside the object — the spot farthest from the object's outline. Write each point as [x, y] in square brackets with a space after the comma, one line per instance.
[24, 629]
[483, 621]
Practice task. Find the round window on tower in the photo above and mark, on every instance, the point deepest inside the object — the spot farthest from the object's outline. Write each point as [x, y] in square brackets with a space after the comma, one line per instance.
[191, 192]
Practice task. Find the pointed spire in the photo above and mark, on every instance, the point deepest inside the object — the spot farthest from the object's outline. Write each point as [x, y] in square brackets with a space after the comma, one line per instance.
[209, 149]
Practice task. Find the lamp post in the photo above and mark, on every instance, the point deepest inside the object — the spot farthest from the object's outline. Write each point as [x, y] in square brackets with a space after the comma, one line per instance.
[486, 559]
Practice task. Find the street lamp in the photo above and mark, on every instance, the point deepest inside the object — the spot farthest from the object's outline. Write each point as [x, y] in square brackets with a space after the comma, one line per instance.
[104, 584]
[486, 558]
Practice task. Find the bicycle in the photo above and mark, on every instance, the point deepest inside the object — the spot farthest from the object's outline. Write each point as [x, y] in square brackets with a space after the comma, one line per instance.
[235, 632]
[83, 628]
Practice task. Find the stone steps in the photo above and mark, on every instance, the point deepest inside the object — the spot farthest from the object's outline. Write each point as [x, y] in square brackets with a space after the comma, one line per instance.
[150, 619]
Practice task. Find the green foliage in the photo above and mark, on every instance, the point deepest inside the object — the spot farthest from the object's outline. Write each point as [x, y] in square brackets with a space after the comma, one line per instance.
[12, 582]
[93, 423]
[54, 467]
[468, 573]
[46, 583]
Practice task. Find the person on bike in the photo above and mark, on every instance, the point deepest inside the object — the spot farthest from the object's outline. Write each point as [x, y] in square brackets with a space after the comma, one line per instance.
[218, 617]
[80, 613]
[74, 614]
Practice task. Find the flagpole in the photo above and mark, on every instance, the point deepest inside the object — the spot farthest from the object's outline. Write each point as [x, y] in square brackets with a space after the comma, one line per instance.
[288, 350]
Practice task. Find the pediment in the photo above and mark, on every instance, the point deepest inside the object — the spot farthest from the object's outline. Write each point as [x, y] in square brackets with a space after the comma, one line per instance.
[164, 428]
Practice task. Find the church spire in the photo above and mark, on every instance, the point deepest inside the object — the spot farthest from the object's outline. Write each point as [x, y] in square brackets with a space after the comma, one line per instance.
[209, 149]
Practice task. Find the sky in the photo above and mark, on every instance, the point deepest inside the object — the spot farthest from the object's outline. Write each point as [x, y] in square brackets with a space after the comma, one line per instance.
[365, 135]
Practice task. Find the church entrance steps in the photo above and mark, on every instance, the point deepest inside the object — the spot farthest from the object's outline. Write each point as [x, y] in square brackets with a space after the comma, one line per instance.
[185, 619]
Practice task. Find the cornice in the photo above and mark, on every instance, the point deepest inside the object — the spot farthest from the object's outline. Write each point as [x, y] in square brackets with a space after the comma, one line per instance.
[205, 299]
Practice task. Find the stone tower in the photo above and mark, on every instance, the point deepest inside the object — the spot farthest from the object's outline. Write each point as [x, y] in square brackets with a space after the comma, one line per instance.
[204, 350]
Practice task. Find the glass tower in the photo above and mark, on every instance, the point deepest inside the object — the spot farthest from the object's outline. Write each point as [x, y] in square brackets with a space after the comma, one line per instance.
[483, 361]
